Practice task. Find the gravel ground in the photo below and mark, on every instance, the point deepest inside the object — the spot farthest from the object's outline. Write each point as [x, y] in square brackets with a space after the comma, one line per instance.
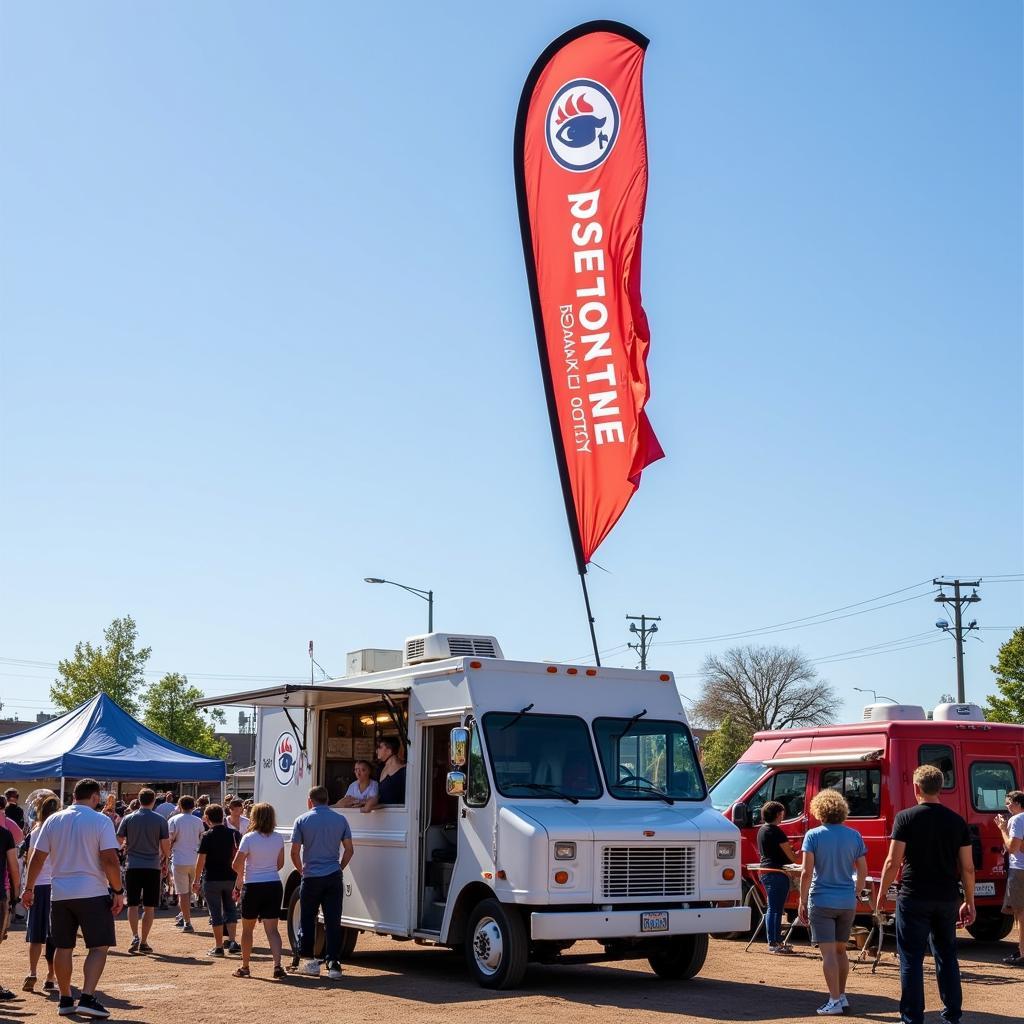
[391, 981]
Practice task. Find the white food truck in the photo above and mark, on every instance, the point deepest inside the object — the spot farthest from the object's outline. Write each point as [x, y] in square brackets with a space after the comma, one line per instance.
[544, 805]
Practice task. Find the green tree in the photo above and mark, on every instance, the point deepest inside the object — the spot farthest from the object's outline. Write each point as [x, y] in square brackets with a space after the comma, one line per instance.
[721, 749]
[169, 709]
[115, 668]
[1008, 705]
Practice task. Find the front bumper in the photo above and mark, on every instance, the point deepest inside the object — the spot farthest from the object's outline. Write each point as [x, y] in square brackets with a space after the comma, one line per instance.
[625, 924]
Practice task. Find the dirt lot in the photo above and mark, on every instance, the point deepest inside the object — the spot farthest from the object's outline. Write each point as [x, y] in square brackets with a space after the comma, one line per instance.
[389, 981]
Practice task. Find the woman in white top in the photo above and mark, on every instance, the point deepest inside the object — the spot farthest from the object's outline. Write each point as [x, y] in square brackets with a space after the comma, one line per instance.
[258, 864]
[363, 789]
[37, 928]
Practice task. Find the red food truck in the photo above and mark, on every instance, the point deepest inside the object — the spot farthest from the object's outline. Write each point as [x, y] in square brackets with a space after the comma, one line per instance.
[871, 763]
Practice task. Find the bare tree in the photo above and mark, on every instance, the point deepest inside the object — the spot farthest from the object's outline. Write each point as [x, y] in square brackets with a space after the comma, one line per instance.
[763, 688]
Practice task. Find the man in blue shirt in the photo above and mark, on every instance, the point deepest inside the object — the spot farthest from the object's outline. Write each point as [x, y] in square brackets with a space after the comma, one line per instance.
[321, 848]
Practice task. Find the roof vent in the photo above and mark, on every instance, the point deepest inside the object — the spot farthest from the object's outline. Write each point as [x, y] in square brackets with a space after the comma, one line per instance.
[958, 713]
[894, 713]
[437, 646]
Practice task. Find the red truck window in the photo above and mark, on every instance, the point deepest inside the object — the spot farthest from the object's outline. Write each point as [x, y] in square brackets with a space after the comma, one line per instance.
[786, 787]
[861, 786]
[942, 758]
[990, 782]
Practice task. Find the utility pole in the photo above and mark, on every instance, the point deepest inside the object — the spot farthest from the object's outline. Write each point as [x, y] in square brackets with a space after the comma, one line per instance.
[645, 632]
[958, 601]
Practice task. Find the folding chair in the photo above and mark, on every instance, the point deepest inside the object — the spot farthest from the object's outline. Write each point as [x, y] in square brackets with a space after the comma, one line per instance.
[760, 900]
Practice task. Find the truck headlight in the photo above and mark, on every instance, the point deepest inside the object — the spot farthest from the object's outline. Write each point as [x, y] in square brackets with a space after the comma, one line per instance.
[725, 851]
[565, 851]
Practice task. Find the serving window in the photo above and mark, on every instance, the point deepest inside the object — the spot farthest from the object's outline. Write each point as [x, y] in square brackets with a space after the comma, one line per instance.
[350, 734]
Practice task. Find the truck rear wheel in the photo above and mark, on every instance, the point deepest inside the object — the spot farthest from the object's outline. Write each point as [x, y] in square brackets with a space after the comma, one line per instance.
[991, 927]
[349, 936]
[496, 945]
[680, 958]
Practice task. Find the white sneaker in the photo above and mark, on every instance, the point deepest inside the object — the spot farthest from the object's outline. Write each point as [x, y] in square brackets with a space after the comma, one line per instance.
[311, 968]
[334, 970]
[833, 1008]
[845, 1002]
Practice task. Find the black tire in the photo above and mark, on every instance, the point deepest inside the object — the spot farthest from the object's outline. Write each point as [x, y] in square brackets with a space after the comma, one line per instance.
[680, 957]
[349, 936]
[991, 927]
[497, 947]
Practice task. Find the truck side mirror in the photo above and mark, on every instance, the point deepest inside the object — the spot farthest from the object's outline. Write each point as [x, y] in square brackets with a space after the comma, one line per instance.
[458, 744]
[455, 784]
[741, 815]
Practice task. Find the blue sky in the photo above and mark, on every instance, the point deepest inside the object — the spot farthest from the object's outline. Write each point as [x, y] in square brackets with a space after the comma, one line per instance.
[264, 331]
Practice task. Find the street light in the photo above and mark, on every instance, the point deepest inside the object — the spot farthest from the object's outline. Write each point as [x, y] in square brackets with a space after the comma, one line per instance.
[426, 595]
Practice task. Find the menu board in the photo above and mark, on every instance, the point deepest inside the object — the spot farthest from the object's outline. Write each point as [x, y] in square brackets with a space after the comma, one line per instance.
[362, 748]
[340, 746]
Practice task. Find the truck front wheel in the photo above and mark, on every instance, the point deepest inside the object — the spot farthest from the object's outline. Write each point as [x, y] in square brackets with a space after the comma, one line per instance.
[680, 958]
[496, 945]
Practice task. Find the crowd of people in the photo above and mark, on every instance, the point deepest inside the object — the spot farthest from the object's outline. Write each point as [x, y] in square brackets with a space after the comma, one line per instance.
[86, 862]
[932, 845]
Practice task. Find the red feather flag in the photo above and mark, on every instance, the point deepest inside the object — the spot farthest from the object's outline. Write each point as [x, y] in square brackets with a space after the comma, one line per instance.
[581, 180]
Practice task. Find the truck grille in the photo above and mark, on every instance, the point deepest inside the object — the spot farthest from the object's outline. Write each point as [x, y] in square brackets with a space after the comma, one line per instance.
[648, 871]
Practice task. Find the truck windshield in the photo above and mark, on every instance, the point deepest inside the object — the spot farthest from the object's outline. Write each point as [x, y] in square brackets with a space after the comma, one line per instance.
[645, 759]
[541, 757]
[734, 783]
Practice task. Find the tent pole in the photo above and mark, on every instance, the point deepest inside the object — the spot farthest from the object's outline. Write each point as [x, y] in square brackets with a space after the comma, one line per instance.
[62, 792]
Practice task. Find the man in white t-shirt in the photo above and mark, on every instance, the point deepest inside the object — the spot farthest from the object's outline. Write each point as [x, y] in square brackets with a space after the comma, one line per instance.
[185, 831]
[1012, 831]
[80, 846]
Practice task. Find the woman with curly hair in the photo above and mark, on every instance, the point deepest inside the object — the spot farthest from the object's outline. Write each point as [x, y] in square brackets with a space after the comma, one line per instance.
[833, 854]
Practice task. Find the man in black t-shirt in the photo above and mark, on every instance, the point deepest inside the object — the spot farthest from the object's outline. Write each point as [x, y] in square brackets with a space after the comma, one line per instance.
[934, 846]
[217, 849]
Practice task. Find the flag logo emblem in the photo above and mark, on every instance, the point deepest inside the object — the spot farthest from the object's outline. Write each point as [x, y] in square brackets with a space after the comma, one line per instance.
[582, 125]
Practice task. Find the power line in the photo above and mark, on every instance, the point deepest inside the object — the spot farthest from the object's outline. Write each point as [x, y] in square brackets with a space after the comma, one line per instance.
[783, 628]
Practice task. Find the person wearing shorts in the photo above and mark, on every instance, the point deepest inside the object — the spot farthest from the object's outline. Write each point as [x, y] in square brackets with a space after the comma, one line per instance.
[258, 863]
[185, 830]
[37, 927]
[217, 849]
[146, 840]
[1012, 831]
[86, 895]
[833, 854]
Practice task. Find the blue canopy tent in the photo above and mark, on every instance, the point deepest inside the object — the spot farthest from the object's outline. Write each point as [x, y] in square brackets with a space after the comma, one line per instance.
[99, 739]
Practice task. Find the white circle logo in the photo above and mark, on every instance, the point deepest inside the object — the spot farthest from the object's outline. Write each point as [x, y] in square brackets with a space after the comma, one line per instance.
[285, 759]
[582, 125]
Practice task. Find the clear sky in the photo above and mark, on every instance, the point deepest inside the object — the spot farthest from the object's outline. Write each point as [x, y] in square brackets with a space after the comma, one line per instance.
[265, 331]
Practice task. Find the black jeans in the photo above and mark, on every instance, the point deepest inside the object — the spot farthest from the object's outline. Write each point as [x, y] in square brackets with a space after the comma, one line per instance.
[325, 891]
[920, 923]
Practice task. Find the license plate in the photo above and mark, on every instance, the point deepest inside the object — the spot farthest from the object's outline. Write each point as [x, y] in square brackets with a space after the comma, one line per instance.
[984, 888]
[654, 921]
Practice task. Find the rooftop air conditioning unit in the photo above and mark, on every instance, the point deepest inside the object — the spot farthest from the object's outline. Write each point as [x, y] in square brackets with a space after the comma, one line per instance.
[419, 650]
[371, 659]
[958, 713]
[894, 713]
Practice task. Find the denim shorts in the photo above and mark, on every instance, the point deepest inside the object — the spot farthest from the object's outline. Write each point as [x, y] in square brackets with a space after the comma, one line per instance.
[831, 924]
[221, 902]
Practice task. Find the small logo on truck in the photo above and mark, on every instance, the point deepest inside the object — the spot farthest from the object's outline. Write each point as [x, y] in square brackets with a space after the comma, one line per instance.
[284, 758]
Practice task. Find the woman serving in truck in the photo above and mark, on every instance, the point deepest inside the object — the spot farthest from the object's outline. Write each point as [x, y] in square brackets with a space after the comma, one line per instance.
[391, 787]
[363, 789]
